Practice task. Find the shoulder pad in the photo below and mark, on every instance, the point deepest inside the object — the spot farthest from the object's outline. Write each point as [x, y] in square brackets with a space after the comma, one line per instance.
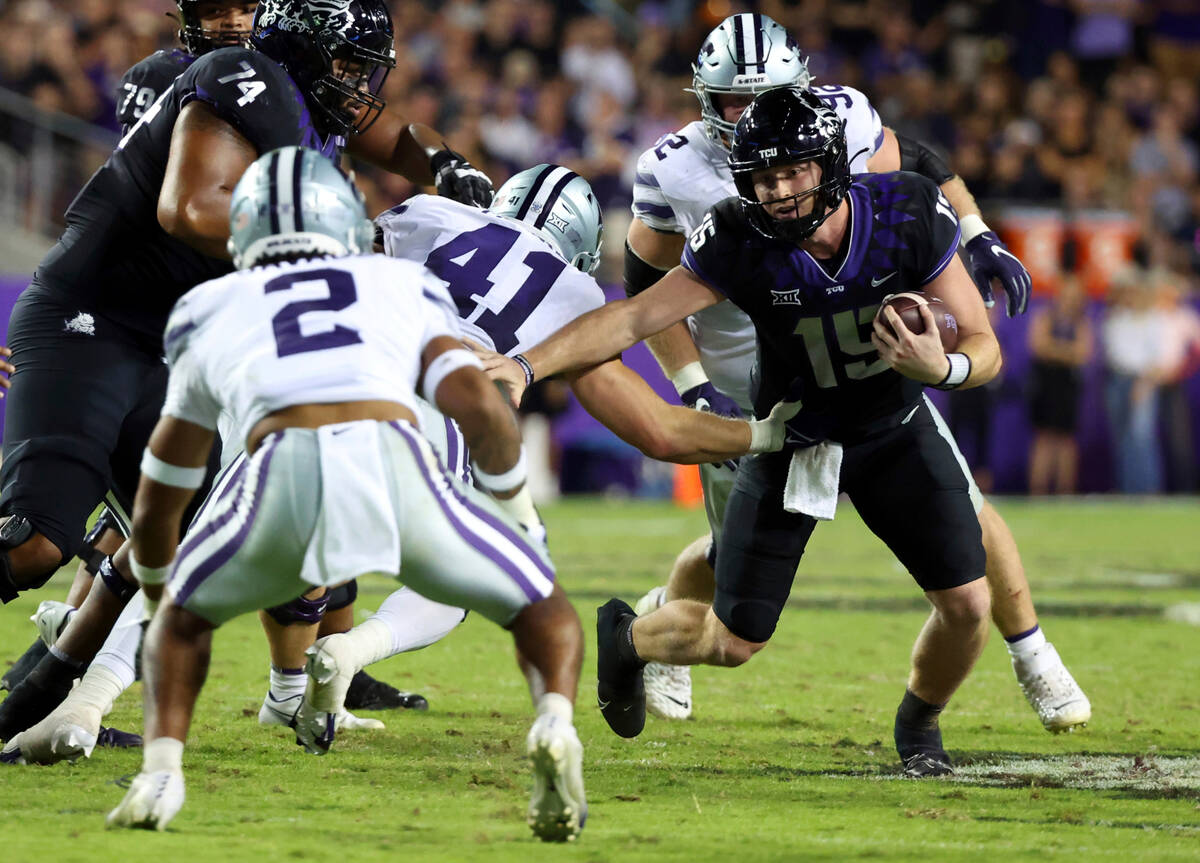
[145, 81]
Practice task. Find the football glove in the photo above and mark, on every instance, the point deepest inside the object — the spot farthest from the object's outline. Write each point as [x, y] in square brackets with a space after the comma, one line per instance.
[990, 259]
[459, 180]
[706, 397]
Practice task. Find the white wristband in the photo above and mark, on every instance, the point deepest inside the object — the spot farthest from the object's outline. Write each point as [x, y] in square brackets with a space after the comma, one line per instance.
[445, 364]
[148, 574]
[971, 226]
[169, 474]
[502, 482]
[691, 375]
[960, 370]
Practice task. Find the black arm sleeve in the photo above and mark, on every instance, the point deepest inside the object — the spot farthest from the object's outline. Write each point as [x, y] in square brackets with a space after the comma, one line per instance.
[916, 157]
[638, 274]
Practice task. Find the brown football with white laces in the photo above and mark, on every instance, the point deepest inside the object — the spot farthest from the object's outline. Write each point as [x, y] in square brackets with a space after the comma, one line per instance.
[907, 305]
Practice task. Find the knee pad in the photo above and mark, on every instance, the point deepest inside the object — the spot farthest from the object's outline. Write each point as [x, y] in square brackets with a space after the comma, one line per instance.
[300, 610]
[115, 582]
[13, 533]
[342, 595]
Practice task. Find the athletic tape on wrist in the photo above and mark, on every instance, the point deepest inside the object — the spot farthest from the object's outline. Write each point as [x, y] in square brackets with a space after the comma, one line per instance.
[691, 375]
[502, 482]
[960, 370]
[148, 574]
[526, 367]
[170, 474]
[971, 226]
[446, 364]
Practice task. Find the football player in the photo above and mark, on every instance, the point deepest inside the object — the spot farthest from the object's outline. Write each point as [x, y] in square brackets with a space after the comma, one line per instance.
[338, 481]
[809, 255]
[709, 357]
[517, 272]
[151, 223]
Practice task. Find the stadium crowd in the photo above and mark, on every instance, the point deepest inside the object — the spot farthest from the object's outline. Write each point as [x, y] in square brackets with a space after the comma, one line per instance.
[1101, 111]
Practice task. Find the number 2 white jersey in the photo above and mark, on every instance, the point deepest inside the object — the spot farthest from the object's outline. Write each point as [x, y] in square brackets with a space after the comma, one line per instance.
[313, 332]
[687, 172]
[511, 287]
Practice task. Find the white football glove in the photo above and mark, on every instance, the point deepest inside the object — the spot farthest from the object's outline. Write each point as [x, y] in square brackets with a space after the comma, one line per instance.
[768, 435]
[151, 802]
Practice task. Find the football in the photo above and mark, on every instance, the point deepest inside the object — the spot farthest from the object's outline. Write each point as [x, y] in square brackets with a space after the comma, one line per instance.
[906, 306]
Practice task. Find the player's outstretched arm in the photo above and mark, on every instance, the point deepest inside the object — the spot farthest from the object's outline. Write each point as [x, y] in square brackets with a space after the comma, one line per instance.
[173, 467]
[921, 356]
[208, 157]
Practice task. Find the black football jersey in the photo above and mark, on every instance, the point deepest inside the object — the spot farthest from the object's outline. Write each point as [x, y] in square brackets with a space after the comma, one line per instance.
[813, 325]
[114, 256]
[145, 82]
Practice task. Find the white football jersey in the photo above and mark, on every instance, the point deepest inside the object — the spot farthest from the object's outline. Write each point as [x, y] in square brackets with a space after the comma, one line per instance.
[687, 172]
[511, 287]
[313, 332]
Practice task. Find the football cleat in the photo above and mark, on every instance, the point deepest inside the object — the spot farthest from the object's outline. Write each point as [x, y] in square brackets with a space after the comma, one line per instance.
[330, 667]
[557, 808]
[276, 711]
[668, 687]
[619, 689]
[70, 732]
[51, 619]
[152, 800]
[1051, 690]
[25, 663]
[115, 738]
[921, 752]
[367, 693]
[314, 728]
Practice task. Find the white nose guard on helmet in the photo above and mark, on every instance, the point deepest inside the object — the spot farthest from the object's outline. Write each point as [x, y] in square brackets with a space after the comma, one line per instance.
[563, 208]
[746, 55]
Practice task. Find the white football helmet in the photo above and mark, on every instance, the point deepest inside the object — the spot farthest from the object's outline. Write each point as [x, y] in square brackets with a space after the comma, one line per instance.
[560, 204]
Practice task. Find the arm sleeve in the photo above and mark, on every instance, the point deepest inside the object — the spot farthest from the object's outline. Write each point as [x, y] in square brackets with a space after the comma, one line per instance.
[649, 203]
[252, 93]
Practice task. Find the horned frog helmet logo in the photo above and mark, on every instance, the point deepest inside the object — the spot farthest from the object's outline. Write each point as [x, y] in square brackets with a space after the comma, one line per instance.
[301, 16]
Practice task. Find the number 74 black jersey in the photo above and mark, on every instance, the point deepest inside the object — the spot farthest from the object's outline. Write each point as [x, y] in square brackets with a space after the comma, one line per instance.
[114, 258]
[814, 322]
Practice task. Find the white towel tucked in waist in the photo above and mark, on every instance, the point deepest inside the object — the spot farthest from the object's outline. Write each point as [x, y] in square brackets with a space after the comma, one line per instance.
[812, 480]
[356, 530]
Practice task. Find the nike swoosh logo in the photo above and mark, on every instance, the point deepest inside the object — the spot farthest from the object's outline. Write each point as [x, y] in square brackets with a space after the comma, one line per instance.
[675, 700]
[875, 283]
[1000, 250]
[604, 704]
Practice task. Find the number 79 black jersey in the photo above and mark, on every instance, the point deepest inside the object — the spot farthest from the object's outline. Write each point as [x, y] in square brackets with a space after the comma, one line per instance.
[145, 81]
[813, 324]
[114, 258]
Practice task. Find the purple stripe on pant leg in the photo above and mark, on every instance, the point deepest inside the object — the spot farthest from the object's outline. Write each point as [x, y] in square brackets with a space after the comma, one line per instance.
[451, 446]
[219, 558]
[192, 542]
[233, 471]
[477, 542]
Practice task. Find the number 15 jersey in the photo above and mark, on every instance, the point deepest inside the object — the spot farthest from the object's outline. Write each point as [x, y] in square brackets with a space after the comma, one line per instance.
[316, 331]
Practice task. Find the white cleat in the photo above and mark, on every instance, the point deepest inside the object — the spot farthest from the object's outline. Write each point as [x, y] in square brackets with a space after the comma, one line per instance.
[668, 687]
[282, 712]
[1051, 690]
[314, 729]
[558, 807]
[347, 721]
[152, 801]
[67, 734]
[50, 619]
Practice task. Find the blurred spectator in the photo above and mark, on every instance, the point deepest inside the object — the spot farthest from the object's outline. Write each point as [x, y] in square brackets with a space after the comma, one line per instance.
[1134, 338]
[1060, 339]
[1181, 360]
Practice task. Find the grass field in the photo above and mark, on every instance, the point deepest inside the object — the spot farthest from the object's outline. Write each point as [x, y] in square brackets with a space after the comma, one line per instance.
[788, 758]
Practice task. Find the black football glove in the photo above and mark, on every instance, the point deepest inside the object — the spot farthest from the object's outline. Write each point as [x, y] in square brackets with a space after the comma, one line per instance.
[459, 180]
[706, 397]
[990, 259]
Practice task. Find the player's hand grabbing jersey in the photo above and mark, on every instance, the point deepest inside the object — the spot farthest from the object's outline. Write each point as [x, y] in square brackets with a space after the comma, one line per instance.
[814, 324]
[317, 331]
[511, 288]
[145, 81]
[114, 255]
[687, 172]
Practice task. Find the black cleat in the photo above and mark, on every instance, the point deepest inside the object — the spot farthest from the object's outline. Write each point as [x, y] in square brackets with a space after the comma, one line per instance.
[114, 738]
[42, 690]
[921, 752]
[367, 693]
[24, 664]
[619, 688]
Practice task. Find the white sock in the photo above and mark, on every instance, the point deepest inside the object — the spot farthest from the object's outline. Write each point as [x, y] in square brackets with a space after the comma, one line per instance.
[162, 753]
[1027, 645]
[287, 682]
[557, 704]
[98, 688]
[413, 621]
[119, 652]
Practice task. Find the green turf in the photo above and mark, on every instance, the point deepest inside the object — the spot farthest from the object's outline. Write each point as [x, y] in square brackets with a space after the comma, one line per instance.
[788, 758]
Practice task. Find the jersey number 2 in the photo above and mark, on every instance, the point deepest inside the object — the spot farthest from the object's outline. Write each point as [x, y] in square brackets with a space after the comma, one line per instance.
[289, 339]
